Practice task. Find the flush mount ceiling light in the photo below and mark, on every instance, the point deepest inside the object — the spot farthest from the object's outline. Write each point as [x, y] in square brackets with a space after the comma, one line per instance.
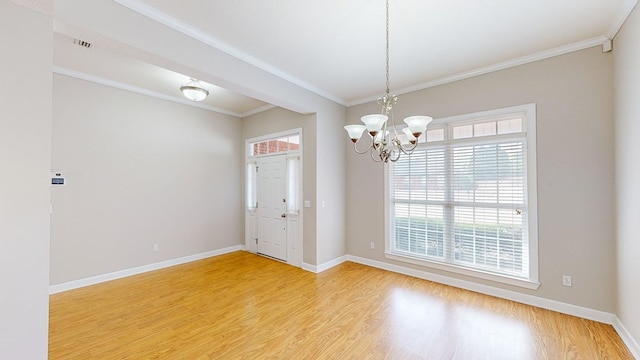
[194, 91]
[386, 144]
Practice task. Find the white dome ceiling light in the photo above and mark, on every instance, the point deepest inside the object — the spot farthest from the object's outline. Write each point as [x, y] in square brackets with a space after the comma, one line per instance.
[194, 91]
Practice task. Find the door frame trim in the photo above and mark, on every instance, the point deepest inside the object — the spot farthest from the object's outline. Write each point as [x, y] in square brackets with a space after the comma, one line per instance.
[250, 243]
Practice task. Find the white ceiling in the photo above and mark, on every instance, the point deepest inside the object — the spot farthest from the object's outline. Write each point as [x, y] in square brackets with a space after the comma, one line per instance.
[336, 48]
[113, 68]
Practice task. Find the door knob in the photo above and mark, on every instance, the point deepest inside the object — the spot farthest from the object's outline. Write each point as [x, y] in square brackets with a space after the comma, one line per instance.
[283, 216]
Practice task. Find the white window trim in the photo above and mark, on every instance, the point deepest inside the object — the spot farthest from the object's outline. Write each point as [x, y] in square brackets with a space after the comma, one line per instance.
[529, 111]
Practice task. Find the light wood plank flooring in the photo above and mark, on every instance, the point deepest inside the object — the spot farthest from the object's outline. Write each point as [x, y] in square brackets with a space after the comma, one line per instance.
[242, 306]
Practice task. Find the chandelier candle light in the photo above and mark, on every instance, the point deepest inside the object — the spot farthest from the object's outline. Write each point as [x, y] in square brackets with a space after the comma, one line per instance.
[385, 144]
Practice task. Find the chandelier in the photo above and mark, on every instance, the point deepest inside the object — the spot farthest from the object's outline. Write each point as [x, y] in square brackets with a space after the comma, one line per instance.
[385, 141]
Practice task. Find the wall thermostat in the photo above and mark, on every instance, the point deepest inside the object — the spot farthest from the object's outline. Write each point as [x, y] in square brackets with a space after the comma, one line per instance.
[58, 178]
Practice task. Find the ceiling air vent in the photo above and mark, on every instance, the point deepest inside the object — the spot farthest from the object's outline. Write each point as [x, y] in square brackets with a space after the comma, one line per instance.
[82, 43]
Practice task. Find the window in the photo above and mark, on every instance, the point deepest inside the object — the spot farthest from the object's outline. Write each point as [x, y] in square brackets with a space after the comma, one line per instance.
[465, 200]
[274, 146]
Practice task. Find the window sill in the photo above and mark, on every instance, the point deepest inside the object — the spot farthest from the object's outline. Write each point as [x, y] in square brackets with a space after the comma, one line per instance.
[533, 285]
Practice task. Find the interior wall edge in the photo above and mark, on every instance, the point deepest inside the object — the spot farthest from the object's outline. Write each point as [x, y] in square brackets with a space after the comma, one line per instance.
[326, 265]
[626, 336]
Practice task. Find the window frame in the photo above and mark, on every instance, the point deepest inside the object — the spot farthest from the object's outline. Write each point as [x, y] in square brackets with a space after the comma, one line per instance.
[528, 112]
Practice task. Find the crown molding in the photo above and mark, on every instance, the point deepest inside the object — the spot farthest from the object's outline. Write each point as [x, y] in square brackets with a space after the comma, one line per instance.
[561, 50]
[258, 110]
[623, 12]
[143, 9]
[177, 25]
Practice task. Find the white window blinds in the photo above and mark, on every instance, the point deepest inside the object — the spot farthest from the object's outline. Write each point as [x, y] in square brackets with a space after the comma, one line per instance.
[462, 200]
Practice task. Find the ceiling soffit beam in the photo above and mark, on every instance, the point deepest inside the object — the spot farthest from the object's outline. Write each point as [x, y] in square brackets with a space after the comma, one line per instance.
[142, 91]
[138, 90]
[137, 36]
[177, 25]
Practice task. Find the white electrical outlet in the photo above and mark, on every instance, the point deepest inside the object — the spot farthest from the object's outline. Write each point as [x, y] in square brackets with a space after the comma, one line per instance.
[154, 247]
[372, 245]
[566, 280]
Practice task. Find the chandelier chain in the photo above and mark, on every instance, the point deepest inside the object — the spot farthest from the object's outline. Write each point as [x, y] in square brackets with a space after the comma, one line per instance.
[387, 48]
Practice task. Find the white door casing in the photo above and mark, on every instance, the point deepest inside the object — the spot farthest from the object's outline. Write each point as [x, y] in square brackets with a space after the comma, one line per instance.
[272, 206]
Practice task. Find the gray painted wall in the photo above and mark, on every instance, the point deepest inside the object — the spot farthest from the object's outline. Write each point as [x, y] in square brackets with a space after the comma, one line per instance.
[574, 97]
[139, 35]
[331, 183]
[140, 171]
[627, 139]
[25, 152]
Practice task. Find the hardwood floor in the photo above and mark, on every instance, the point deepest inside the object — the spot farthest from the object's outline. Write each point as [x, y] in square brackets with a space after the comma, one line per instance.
[242, 306]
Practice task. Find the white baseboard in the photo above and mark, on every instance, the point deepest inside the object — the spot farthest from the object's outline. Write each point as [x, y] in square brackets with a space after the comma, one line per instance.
[324, 266]
[579, 311]
[586, 313]
[329, 264]
[57, 288]
[309, 267]
[631, 343]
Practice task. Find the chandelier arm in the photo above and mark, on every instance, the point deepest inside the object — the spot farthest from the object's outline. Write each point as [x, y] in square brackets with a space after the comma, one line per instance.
[380, 159]
[393, 121]
[391, 155]
[395, 131]
[386, 155]
[396, 139]
[384, 130]
[396, 142]
[355, 147]
[410, 149]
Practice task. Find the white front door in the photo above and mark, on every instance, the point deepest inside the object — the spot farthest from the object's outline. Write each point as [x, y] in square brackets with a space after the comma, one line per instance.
[272, 206]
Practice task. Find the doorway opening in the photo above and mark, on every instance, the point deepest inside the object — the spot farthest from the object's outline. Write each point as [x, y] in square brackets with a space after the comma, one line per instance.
[273, 216]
